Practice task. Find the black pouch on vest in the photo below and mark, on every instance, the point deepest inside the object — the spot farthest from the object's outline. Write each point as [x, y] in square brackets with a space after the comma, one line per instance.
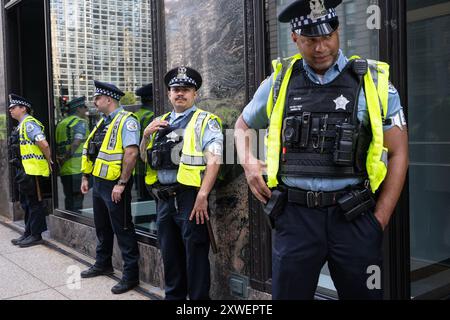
[275, 206]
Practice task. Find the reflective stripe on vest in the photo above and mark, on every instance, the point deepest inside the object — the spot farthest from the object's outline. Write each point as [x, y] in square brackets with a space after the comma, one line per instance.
[108, 164]
[376, 163]
[33, 160]
[192, 163]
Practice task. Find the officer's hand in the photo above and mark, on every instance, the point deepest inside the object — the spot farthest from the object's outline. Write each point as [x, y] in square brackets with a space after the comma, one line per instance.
[116, 195]
[155, 126]
[200, 211]
[84, 185]
[254, 174]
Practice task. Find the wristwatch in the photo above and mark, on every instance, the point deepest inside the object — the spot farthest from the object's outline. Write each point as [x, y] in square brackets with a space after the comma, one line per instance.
[122, 182]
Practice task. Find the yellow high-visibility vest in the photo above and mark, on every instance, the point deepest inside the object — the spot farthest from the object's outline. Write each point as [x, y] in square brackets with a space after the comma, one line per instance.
[33, 160]
[376, 87]
[192, 163]
[108, 164]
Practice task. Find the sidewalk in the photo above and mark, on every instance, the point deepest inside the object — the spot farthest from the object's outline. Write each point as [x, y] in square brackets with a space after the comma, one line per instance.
[43, 273]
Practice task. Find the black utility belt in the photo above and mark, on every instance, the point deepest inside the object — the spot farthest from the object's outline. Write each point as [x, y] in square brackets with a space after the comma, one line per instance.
[312, 199]
[165, 192]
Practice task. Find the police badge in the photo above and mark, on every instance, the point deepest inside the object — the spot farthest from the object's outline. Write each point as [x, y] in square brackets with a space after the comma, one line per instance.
[182, 73]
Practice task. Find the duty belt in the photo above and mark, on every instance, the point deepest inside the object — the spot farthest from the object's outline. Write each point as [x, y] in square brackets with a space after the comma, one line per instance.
[165, 192]
[312, 199]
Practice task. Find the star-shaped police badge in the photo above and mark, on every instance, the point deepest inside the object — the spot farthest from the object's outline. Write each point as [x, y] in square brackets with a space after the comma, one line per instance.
[341, 103]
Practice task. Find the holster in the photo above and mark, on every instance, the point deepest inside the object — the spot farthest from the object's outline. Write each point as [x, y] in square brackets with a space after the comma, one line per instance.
[356, 203]
[164, 193]
[275, 206]
[26, 183]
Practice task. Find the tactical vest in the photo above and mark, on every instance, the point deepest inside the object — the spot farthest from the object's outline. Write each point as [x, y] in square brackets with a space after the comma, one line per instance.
[192, 162]
[325, 135]
[33, 160]
[321, 130]
[64, 139]
[144, 116]
[107, 164]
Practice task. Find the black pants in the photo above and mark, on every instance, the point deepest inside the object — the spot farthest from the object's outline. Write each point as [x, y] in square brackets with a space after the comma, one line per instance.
[304, 239]
[35, 213]
[184, 248]
[73, 198]
[111, 218]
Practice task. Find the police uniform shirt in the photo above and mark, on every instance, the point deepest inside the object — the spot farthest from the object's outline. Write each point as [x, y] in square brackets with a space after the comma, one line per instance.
[130, 131]
[255, 116]
[33, 130]
[212, 141]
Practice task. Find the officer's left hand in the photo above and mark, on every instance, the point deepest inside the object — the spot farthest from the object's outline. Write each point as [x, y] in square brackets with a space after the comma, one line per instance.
[200, 211]
[381, 220]
[116, 195]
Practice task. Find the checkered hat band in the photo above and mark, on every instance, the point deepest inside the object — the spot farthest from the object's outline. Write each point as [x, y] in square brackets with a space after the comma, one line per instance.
[182, 81]
[20, 102]
[108, 93]
[303, 21]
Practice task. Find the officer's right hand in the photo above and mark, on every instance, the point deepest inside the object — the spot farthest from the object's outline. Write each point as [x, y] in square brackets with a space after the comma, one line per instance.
[254, 174]
[84, 185]
[155, 126]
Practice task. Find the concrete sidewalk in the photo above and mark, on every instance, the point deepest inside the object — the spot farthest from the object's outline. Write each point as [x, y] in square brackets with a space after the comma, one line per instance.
[44, 273]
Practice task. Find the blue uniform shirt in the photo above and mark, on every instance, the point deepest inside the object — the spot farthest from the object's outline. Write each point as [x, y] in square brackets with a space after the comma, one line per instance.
[34, 131]
[212, 140]
[130, 131]
[79, 130]
[255, 115]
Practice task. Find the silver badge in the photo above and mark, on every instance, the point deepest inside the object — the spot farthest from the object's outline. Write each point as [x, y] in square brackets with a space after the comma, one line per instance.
[317, 9]
[182, 73]
[341, 103]
[132, 126]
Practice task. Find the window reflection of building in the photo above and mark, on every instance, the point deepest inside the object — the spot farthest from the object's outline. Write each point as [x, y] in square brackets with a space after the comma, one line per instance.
[106, 40]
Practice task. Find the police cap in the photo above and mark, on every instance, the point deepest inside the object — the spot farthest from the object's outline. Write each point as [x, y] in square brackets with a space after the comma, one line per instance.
[16, 100]
[183, 77]
[312, 18]
[107, 89]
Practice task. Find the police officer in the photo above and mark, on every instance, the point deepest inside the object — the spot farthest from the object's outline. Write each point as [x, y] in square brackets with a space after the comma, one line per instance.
[145, 116]
[30, 154]
[181, 187]
[333, 124]
[71, 133]
[109, 155]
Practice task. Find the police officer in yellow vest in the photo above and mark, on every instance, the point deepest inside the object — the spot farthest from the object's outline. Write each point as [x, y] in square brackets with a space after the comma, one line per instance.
[336, 132]
[145, 115]
[109, 155]
[32, 159]
[181, 186]
[71, 133]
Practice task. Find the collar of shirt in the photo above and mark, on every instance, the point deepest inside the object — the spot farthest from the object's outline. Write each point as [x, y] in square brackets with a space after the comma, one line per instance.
[331, 73]
[21, 120]
[173, 117]
[111, 116]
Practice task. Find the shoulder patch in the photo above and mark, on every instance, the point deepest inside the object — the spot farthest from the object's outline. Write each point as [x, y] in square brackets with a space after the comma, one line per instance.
[30, 127]
[213, 125]
[392, 89]
[132, 125]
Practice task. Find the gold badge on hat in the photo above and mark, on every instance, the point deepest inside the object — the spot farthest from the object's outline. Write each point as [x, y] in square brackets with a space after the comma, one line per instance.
[182, 73]
[317, 9]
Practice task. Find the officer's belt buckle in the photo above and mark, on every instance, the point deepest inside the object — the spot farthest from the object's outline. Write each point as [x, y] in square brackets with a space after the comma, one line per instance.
[314, 199]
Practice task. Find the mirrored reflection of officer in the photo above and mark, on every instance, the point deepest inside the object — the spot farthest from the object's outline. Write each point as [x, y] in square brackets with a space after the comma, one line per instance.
[145, 116]
[71, 133]
[109, 155]
[30, 155]
[321, 172]
[181, 188]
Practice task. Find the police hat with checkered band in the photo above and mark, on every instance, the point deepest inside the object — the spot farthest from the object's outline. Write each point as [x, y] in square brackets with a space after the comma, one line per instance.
[15, 100]
[145, 92]
[76, 103]
[183, 77]
[107, 89]
[312, 18]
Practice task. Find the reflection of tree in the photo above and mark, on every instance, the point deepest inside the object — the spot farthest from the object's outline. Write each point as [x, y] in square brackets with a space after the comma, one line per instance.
[128, 99]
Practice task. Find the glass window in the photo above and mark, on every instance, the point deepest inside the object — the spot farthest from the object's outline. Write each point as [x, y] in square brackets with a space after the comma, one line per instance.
[428, 32]
[108, 40]
[355, 39]
[208, 36]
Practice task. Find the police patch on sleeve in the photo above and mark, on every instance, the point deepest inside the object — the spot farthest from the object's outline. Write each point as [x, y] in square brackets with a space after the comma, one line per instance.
[30, 127]
[132, 126]
[392, 89]
[213, 125]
